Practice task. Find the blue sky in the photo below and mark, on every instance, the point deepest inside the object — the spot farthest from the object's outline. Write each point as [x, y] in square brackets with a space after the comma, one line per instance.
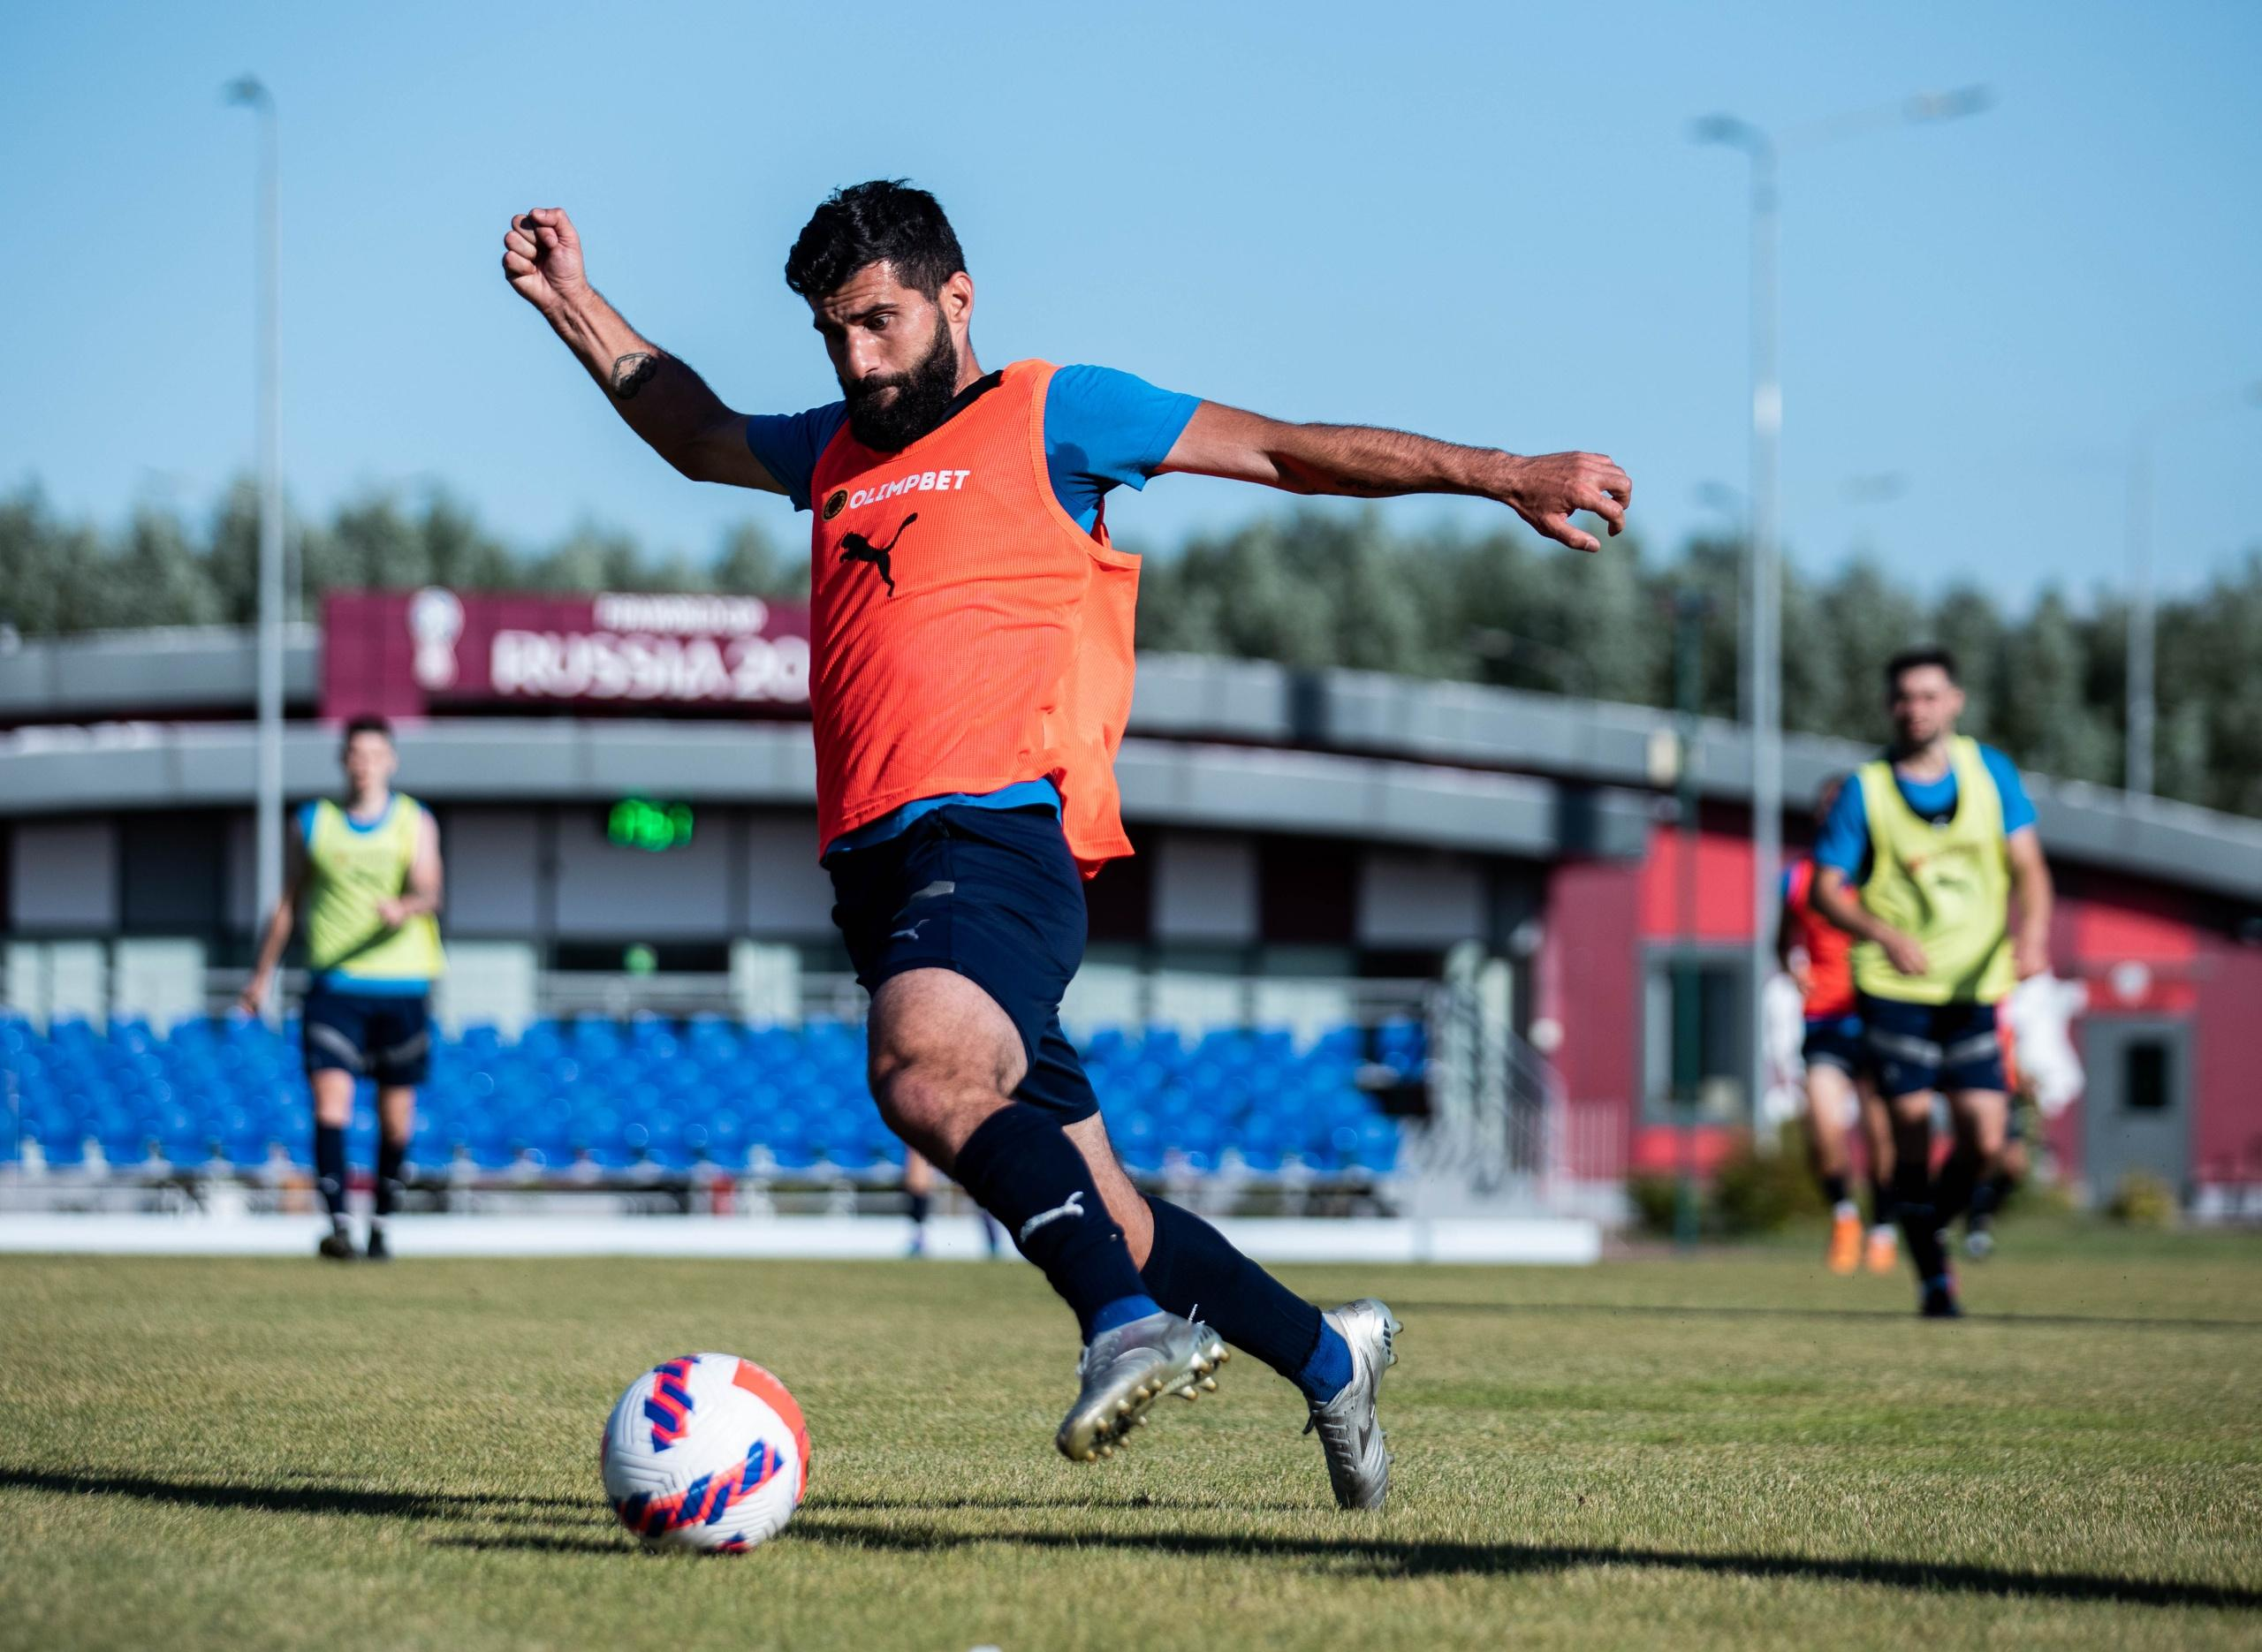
[1484, 221]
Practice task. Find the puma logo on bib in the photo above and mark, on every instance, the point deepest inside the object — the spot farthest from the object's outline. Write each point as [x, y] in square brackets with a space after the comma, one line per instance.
[855, 547]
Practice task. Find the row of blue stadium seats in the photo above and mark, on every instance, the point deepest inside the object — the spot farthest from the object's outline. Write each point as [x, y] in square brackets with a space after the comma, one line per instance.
[648, 1092]
[851, 1142]
[708, 1037]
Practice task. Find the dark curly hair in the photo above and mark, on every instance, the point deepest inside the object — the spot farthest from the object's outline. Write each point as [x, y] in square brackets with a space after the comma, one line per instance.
[886, 221]
[1910, 659]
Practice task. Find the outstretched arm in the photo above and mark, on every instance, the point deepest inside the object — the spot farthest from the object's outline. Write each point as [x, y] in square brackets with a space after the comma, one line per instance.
[660, 398]
[1373, 464]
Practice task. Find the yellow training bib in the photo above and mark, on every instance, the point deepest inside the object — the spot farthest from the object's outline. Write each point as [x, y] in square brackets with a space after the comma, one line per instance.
[1947, 887]
[351, 867]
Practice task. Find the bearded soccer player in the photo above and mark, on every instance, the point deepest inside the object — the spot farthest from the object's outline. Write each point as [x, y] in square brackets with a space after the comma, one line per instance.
[1839, 1093]
[1938, 836]
[366, 874]
[971, 666]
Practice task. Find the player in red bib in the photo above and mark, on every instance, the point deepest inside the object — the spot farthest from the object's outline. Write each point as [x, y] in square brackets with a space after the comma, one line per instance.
[971, 666]
[1819, 957]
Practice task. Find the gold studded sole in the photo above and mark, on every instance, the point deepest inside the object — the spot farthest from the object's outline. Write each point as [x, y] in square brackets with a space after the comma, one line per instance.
[1111, 1432]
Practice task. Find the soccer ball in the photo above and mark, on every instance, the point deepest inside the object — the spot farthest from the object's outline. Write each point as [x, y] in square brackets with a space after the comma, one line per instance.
[707, 1451]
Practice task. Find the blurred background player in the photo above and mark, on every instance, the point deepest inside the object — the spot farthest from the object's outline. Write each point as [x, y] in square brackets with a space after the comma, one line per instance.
[971, 666]
[366, 871]
[919, 1201]
[1939, 835]
[1819, 956]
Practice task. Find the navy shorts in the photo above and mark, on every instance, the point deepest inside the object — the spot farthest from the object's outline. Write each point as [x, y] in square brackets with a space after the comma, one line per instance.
[1835, 1041]
[1932, 1046]
[381, 1035]
[993, 895]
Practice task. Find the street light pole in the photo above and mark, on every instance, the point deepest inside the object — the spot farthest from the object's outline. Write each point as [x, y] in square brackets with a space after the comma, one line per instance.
[2143, 713]
[2137, 776]
[1762, 673]
[249, 92]
[1767, 613]
[1762, 666]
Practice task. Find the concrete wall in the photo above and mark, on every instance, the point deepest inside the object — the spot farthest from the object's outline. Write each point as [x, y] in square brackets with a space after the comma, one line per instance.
[493, 862]
[1205, 888]
[1414, 900]
[63, 876]
[606, 892]
[786, 892]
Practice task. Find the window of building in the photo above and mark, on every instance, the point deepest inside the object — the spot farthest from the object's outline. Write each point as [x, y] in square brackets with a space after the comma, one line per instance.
[1693, 1038]
[2144, 1070]
[174, 879]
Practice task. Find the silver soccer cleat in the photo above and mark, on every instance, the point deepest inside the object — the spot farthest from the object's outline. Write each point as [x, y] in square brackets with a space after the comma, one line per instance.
[1349, 1432]
[1126, 1370]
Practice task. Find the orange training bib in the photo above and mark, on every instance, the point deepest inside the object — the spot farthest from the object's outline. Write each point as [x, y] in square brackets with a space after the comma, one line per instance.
[965, 633]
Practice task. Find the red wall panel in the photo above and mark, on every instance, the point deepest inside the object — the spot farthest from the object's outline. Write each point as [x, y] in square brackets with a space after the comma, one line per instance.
[1723, 904]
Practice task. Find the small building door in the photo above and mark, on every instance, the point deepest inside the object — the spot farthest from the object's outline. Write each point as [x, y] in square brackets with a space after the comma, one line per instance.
[2137, 1107]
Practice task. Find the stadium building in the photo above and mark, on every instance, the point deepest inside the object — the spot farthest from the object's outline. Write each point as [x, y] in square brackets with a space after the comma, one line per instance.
[625, 789]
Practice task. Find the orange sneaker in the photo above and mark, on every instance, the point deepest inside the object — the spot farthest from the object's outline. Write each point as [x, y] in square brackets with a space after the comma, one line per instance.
[1885, 1250]
[1845, 1253]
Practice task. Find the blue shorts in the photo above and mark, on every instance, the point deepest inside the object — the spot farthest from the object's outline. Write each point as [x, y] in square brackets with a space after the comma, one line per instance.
[993, 895]
[1835, 1041]
[381, 1035]
[1932, 1046]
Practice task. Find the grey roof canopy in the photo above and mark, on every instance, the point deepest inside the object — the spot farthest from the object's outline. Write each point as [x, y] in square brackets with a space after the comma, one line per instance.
[1228, 744]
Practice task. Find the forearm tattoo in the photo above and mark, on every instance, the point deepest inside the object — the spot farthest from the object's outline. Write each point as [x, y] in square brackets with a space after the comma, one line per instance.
[632, 372]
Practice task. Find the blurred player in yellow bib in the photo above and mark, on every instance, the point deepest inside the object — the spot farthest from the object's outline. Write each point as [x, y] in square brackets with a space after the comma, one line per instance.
[366, 880]
[1939, 837]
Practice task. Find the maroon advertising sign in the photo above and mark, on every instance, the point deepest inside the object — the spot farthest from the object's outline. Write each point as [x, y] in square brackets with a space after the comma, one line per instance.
[406, 653]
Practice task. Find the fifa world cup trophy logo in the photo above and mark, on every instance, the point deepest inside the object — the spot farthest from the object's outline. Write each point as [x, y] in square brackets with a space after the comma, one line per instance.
[435, 620]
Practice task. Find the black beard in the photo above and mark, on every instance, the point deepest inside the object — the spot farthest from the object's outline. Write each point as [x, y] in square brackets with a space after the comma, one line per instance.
[923, 396]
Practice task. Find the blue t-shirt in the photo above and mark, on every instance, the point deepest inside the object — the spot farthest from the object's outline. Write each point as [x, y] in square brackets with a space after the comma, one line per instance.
[1103, 429]
[1845, 841]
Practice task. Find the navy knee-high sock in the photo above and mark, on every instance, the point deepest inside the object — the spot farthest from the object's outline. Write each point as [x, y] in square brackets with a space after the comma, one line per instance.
[1193, 1267]
[1881, 1201]
[392, 1159]
[1920, 1226]
[1988, 1196]
[1022, 1169]
[1952, 1193]
[329, 1169]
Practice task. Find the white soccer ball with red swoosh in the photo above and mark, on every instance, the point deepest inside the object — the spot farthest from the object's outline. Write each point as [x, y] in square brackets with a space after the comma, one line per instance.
[706, 1451]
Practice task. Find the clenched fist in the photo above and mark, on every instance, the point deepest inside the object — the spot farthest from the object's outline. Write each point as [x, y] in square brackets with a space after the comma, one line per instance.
[541, 259]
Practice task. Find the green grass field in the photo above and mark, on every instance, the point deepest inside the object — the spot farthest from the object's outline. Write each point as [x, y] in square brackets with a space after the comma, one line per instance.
[1720, 1451]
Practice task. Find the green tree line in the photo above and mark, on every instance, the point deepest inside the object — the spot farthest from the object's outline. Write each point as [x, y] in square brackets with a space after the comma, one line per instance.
[2048, 685]
[1317, 587]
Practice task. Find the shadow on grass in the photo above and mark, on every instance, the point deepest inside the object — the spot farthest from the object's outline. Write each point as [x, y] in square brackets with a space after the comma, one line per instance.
[309, 1498]
[1684, 1310]
[553, 1543]
[827, 1505]
[1378, 1556]
[1384, 1557]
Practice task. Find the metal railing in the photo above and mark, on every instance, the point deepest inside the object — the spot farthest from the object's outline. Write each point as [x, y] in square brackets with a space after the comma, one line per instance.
[1498, 1107]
